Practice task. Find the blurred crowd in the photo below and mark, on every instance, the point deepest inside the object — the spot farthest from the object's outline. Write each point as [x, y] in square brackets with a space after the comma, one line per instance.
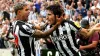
[84, 13]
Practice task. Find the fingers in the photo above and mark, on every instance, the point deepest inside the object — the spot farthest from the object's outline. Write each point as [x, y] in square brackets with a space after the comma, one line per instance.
[98, 24]
[59, 18]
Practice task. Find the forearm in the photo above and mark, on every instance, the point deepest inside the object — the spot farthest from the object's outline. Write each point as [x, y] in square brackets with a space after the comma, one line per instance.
[37, 27]
[86, 32]
[93, 29]
[88, 46]
[40, 34]
[90, 32]
[48, 32]
[40, 27]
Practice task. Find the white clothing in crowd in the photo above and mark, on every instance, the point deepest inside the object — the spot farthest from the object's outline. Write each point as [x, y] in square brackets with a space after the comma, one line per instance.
[92, 18]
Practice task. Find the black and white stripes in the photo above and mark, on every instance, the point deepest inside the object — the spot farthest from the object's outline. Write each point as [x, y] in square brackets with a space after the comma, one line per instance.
[24, 32]
[64, 39]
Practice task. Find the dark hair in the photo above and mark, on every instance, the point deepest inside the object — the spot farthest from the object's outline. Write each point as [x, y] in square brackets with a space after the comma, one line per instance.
[6, 15]
[19, 6]
[56, 9]
[84, 23]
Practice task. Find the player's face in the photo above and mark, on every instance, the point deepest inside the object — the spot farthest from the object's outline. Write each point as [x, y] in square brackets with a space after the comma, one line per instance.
[25, 13]
[51, 17]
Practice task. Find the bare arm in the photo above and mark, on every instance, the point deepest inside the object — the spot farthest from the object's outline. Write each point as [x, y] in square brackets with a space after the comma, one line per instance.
[40, 27]
[89, 32]
[40, 34]
[92, 45]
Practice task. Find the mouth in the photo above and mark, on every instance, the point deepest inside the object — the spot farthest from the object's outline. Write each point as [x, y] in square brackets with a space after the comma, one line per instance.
[27, 16]
[49, 21]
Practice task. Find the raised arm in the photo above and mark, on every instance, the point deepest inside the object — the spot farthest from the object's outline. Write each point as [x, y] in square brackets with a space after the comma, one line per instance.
[41, 34]
[90, 31]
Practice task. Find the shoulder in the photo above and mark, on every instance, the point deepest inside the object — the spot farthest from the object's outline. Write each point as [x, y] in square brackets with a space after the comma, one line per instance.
[85, 17]
[93, 16]
[96, 33]
[69, 22]
[83, 8]
[22, 25]
[95, 36]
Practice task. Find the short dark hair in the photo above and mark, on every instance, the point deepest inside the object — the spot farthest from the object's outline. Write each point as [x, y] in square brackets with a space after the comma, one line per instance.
[56, 9]
[84, 23]
[19, 6]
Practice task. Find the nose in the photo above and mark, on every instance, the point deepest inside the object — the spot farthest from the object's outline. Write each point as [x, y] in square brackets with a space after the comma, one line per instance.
[28, 11]
[47, 17]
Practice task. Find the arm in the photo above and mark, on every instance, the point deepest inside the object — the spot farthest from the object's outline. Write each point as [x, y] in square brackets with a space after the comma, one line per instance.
[41, 34]
[89, 32]
[92, 45]
[96, 20]
[40, 27]
[93, 42]
[38, 33]
[37, 27]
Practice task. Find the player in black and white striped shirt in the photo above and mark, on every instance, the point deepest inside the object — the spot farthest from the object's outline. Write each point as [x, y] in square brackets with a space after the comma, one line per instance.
[64, 36]
[64, 39]
[25, 32]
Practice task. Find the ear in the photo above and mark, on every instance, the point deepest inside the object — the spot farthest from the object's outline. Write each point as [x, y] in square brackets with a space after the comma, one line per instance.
[57, 16]
[18, 12]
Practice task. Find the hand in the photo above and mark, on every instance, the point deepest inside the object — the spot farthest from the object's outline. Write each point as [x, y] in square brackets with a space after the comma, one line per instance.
[38, 33]
[96, 27]
[98, 17]
[81, 48]
[42, 41]
[59, 19]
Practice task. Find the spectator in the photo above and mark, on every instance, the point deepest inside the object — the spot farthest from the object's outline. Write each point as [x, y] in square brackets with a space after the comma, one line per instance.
[77, 22]
[43, 11]
[2, 45]
[87, 4]
[80, 9]
[89, 17]
[98, 17]
[83, 2]
[95, 6]
[68, 10]
[38, 6]
[91, 43]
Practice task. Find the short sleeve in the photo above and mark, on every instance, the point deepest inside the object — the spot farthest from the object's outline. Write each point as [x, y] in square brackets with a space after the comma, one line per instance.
[73, 26]
[28, 29]
[95, 37]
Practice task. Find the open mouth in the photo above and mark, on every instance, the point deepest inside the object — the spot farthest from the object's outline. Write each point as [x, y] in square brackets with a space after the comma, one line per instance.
[49, 21]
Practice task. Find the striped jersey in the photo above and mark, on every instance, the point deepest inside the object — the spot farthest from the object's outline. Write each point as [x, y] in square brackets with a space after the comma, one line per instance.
[64, 39]
[24, 32]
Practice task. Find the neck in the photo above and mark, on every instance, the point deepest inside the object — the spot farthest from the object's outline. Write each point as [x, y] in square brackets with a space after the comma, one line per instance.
[79, 20]
[18, 17]
[89, 16]
[0, 26]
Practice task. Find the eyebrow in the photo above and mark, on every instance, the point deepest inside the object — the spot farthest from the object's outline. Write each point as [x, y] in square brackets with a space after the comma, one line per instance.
[49, 14]
[26, 9]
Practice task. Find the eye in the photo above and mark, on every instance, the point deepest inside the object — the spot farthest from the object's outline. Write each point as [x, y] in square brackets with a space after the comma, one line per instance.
[26, 9]
[49, 14]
